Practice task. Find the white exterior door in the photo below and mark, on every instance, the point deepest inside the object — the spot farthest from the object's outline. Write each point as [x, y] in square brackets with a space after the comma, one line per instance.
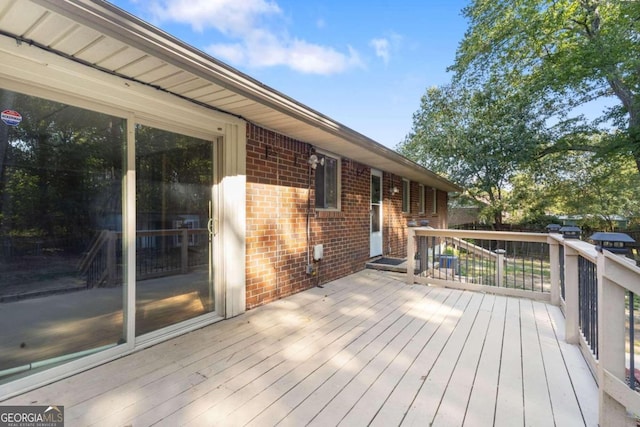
[375, 213]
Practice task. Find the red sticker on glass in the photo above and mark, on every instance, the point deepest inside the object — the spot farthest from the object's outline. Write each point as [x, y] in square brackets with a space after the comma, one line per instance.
[11, 118]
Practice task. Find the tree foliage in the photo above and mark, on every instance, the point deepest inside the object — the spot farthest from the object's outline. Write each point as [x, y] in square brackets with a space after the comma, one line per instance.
[478, 139]
[509, 129]
[602, 187]
[563, 53]
[597, 189]
[61, 172]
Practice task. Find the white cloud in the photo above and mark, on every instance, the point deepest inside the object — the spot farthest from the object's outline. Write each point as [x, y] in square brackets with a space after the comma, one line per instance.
[298, 55]
[381, 46]
[230, 17]
[257, 29]
[233, 53]
[385, 46]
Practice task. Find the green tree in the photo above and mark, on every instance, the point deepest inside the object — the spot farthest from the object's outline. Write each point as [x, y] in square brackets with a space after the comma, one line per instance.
[594, 187]
[598, 189]
[478, 139]
[563, 53]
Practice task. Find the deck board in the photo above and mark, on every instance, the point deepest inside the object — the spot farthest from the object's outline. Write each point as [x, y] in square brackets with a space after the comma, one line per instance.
[427, 400]
[510, 399]
[537, 412]
[365, 350]
[401, 399]
[226, 377]
[337, 375]
[452, 408]
[369, 366]
[389, 319]
[566, 407]
[578, 370]
[378, 392]
[482, 400]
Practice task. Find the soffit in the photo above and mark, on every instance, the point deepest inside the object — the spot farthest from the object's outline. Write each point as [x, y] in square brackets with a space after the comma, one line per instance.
[98, 34]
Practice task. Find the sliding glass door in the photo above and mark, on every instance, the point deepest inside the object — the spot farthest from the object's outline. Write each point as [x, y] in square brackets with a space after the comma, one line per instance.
[61, 198]
[174, 228]
[66, 240]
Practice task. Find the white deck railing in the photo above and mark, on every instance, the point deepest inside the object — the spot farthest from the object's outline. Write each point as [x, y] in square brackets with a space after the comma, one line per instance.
[594, 290]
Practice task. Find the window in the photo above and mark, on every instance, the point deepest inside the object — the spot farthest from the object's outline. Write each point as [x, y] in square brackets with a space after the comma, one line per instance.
[421, 198]
[406, 196]
[434, 210]
[327, 182]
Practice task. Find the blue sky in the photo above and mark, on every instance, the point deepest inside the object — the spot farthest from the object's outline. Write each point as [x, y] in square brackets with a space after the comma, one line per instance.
[364, 64]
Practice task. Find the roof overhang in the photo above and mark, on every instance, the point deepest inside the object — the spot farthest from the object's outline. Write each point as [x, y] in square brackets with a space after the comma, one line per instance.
[102, 36]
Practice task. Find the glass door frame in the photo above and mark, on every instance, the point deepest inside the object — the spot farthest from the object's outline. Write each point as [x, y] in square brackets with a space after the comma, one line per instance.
[154, 337]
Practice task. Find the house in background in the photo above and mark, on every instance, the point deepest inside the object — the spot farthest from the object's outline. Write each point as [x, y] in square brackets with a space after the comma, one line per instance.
[615, 222]
[149, 189]
[463, 211]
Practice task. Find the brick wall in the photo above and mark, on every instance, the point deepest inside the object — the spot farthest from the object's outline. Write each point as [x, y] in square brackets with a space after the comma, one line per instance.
[277, 246]
[395, 221]
[277, 197]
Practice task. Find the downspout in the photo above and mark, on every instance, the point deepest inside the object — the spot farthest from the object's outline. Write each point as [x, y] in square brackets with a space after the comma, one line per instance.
[278, 225]
[388, 233]
[309, 214]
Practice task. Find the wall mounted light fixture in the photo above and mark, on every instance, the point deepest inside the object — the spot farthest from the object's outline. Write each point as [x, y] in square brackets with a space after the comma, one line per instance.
[313, 161]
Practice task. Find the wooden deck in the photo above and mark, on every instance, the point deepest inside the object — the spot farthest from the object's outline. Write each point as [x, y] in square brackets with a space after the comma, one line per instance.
[364, 350]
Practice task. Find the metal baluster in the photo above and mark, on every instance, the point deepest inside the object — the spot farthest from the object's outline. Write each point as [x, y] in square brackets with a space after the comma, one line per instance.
[632, 365]
[594, 304]
[562, 292]
[522, 255]
[466, 260]
[543, 256]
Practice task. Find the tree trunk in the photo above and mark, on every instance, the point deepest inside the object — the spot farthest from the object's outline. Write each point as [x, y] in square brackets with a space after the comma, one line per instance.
[497, 220]
[634, 135]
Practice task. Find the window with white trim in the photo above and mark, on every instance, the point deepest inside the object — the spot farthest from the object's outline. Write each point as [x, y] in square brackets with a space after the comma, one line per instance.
[406, 196]
[327, 183]
[421, 203]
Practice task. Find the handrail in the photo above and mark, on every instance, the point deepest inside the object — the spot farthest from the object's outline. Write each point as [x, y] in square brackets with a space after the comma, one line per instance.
[477, 266]
[598, 281]
[584, 249]
[104, 245]
[479, 250]
[93, 251]
[481, 234]
[622, 272]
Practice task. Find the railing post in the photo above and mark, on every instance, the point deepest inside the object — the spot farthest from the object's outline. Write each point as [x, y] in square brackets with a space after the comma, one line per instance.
[500, 267]
[184, 251]
[611, 339]
[411, 254]
[422, 245]
[572, 295]
[554, 260]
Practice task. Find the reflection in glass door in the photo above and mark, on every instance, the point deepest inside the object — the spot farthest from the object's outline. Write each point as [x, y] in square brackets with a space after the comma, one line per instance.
[174, 182]
[61, 287]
